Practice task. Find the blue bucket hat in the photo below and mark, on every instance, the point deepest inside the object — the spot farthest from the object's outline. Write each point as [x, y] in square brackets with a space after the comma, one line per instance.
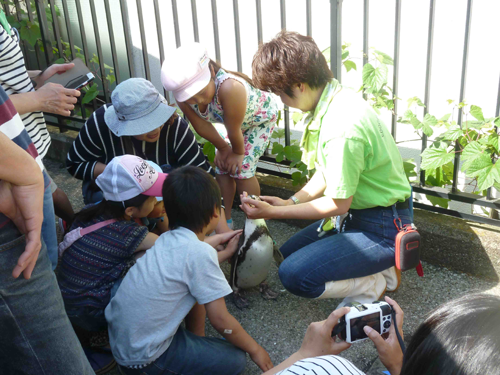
[138, 108]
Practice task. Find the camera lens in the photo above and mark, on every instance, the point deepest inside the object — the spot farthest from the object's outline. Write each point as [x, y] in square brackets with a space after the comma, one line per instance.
[387, 324]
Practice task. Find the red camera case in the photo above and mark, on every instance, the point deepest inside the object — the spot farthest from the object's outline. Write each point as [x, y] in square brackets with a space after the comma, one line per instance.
[407, 248]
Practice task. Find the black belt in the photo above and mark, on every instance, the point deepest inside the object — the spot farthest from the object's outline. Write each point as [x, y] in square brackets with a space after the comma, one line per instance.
[399, 206]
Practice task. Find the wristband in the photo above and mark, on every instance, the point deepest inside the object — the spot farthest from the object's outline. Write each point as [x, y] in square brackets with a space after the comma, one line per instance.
[294, 199]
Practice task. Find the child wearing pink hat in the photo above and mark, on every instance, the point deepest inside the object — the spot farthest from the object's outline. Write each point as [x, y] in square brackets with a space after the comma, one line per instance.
[207, 94]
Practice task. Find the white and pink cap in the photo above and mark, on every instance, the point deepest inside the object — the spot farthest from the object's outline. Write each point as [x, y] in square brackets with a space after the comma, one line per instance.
[127, 176]
[186, 71]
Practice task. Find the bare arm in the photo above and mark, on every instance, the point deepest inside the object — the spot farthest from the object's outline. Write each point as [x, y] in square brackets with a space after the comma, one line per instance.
[313, 189]
[21, 200]
[202, 127]
[51, 98]
[319, 208]
[98, 169]
[233, 332]
[233, 98]
[147, 242]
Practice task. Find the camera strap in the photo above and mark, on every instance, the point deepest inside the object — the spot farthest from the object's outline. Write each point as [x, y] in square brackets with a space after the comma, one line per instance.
[400, 339]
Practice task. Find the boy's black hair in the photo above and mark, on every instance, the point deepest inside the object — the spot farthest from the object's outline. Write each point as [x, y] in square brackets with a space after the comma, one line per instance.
[190, 195]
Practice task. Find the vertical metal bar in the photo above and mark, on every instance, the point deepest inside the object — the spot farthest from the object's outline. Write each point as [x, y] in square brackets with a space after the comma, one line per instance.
[366, 27]
[143, 40]
[309, 17]
[336, 38]
[428, 69]
[160, 38]
[6, 8]
[176, 24]
[283, 14]
[126, 31]
[397, 35]
[44, 29]
[68, 28]
[194, 13]
[465, 58]
[497, 112]
[99, 51]
[84, 41]
[258, 6]
[237, 34]
[31, 19]
[114, 55]
[285, 108]
[24, 44]
[216, 30]
[55, 25]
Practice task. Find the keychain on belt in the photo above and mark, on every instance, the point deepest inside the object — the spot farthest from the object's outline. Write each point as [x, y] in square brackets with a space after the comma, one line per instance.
[326, 225]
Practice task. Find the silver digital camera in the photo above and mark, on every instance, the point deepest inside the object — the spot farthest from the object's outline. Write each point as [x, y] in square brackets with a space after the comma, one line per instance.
[377, 315]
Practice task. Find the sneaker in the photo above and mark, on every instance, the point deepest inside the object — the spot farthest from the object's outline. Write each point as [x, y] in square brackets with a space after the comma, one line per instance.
[63, 226]
[230, 224]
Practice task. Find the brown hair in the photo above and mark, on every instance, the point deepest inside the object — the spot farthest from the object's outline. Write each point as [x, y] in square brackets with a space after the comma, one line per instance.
[216, 66]
[289, 59]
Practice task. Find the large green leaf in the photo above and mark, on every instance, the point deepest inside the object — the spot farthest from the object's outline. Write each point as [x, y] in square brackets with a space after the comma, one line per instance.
[491, 140]
[497, 122]
[350, 65]
[471, 152]
[209, 151]
[277, 148]
[415, 100]
[453, 133]
[445, 117]
[90, 94]
[345, 54]
[409, 166]
[474, 124]
[384, 58]
[296, 117]
[30, 33]
[477, 112]
[433, 157]
[374, 78]
[428, 123]
[438, 201]
[476, 165]
[415, 122]
[488, 176]
[293, 153]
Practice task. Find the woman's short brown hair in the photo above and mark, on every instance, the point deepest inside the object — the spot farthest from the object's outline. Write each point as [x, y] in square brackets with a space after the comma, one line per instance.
[290, 58]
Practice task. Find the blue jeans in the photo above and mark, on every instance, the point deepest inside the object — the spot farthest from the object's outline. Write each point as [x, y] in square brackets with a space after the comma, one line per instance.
[91, 318]
[364, 247]
[49, 234]
[189, 354]
[36, 336]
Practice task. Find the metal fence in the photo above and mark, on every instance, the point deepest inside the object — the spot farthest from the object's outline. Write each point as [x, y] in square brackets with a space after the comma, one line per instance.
[51, 36]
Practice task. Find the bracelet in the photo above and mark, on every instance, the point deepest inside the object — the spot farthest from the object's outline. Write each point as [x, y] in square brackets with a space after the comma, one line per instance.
[294, 199]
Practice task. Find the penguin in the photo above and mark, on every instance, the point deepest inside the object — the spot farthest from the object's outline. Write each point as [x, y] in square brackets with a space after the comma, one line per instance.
[251, 263]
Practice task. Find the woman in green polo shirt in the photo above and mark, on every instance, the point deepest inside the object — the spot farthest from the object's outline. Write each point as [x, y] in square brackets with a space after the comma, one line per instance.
[359, 171]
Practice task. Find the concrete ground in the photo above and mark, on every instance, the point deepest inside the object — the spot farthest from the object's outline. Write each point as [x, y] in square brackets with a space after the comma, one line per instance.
[279, 325]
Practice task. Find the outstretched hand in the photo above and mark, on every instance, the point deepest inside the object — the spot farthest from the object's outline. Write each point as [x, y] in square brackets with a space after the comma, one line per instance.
[255, 209]
[389, 351]
[50, 71]
[221, 239]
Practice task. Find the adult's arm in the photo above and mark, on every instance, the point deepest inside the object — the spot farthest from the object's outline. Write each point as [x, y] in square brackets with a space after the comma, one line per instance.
[186, 149]
[21, 200]
[319, 208]
[50, 97]
[83, 158]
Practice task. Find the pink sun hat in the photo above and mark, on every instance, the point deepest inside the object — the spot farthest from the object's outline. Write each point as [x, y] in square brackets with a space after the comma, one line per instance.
[127, 176]
[186, 71]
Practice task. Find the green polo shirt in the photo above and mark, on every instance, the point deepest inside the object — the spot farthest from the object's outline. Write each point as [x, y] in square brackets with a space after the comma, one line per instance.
[357, 155]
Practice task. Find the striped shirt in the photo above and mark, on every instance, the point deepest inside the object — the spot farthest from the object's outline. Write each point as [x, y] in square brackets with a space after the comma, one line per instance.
[325, 365]
[176, 147]
[12, 126]
[15, 80]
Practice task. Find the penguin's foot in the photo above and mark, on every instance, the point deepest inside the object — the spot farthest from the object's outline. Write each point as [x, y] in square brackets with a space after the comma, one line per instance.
[239, 301]
[267, 292]
[278, 257]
